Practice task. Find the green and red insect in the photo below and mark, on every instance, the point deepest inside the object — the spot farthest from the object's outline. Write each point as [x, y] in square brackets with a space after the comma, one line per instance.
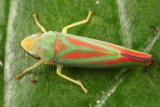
[70, 50]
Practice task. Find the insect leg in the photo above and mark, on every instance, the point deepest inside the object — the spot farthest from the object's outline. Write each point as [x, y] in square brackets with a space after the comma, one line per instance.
[59, 68]
[39, 25]
[28, 69]
[77, 23]
[46, 62]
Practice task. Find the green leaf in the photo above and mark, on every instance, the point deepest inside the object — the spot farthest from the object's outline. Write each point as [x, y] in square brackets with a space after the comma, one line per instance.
[4, 8]
[122, 22]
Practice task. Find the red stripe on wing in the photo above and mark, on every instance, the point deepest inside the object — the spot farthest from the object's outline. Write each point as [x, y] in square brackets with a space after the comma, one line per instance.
[78, 42]
[81, 55]
[123, 58]
[128, 52]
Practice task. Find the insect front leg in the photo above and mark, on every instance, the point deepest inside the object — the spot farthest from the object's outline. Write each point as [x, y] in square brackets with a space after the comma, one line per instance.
[59, 68]
[39, 25]
[46, 62]
[77, 23]
[28, 69]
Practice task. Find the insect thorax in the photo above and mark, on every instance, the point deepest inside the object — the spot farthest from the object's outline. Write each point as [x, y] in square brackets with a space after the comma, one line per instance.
[48, 45]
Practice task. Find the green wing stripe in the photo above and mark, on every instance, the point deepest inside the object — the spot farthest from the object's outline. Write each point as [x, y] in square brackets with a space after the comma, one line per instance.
[103, 65]
[89, 59]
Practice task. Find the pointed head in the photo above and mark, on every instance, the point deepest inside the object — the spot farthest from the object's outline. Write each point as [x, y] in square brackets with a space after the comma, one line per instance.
[28, 44]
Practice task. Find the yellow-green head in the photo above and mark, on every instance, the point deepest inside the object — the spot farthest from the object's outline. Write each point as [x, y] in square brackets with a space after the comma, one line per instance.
[28, 45]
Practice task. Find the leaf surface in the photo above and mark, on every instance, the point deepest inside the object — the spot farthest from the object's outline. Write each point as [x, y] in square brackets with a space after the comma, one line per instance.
[123, 22]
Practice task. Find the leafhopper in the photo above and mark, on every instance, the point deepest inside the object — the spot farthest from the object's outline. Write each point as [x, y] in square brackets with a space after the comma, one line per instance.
[62, 49]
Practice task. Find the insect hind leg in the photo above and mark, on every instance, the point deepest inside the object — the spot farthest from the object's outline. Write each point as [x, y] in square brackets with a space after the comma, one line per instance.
[59, 68]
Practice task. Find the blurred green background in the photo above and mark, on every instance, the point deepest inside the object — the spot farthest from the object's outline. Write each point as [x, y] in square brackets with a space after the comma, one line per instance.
[129, 23]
